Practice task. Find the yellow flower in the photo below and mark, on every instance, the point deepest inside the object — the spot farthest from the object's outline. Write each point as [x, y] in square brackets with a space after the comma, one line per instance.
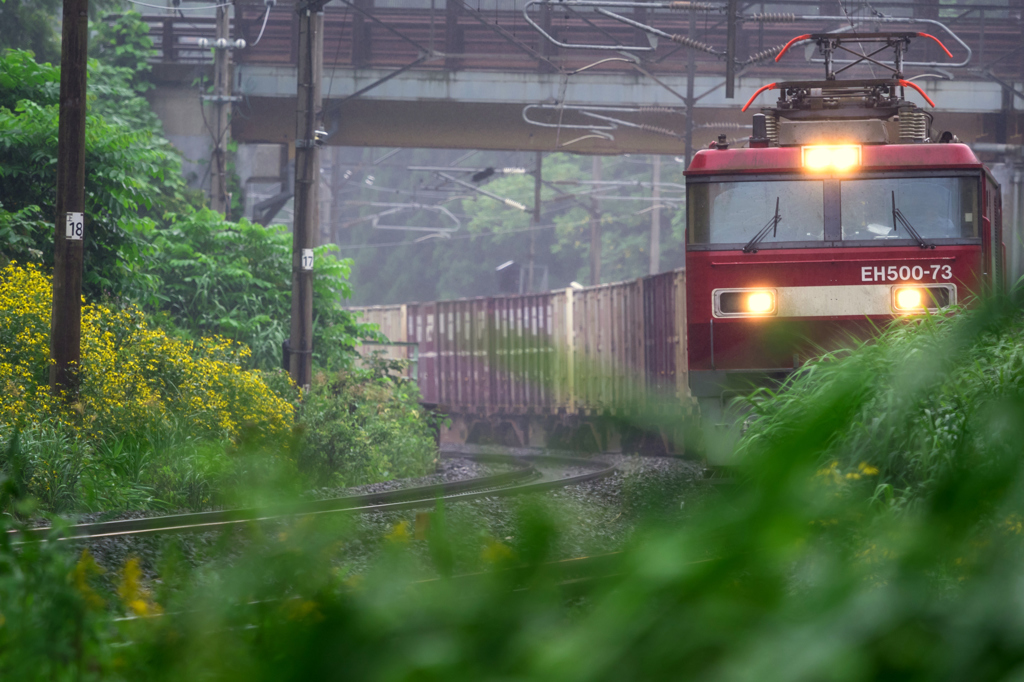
[496, 552]
[867, 469]
[399, 534]
[129, 376]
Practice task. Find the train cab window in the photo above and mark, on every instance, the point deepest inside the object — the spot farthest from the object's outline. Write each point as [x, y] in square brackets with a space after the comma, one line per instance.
[733, 212]
[936, 207]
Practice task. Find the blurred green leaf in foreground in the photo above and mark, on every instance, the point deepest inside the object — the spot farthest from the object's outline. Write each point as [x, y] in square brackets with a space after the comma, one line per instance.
[876, 535]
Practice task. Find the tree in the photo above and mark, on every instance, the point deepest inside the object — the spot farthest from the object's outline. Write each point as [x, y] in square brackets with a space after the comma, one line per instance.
[231, 279]
[133, 174]
[31, 25]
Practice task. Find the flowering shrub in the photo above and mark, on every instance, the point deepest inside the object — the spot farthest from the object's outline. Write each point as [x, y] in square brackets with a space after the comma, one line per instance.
[132, 375]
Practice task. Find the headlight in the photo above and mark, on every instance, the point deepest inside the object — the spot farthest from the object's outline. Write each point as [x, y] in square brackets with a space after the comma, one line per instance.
[917, 299]
[745, 302]
[831, 157]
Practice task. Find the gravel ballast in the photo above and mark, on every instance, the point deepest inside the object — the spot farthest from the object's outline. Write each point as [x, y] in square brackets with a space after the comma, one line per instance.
[592, 517]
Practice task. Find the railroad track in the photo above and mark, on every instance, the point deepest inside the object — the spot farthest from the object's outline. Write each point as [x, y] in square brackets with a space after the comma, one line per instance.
[531, 473]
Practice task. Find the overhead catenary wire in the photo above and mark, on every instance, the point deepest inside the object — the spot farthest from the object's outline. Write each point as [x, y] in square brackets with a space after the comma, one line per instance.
[266, 15]
[479, 235]
[179, 8]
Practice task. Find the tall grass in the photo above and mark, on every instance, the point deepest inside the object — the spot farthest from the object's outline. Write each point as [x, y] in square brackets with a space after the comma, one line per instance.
[931, 398]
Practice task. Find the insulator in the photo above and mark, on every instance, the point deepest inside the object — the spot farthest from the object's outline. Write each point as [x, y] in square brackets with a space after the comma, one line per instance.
[764, 54]
[771, 17]
[771, 125]
[694, 44]
[700, 6]
[724, 126]
[913, 125]
[658, 129]
[659, 110]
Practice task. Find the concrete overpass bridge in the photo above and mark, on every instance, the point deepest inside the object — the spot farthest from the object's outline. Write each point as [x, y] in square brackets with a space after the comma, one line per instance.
[458, 73]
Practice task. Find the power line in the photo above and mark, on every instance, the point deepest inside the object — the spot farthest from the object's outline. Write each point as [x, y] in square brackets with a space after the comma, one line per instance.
[180, 9]
[481, 235]
[266, 15]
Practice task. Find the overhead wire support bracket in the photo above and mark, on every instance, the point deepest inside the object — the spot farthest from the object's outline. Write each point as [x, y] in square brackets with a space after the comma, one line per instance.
[393, 208]
[512, 203]
[606, 122]
[310, 6]
[601, 6]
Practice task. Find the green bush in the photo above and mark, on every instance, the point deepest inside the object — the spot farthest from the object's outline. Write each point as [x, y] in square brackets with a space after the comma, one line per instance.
[233, 279]
[917, 397]
[362, 426]
[53, 625]
[132, 174]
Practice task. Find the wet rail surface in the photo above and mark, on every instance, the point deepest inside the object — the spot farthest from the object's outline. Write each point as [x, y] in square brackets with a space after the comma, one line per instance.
[529, 474]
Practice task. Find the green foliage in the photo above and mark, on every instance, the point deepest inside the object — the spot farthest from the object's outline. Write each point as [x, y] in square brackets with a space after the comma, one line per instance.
[52, 622]
[123, 42]
[31, 25]
[130, 178]
[22, 77]
[233, 279]
[21, 233]
[926, 386]
[777, 579]
[794, 574]
[117, 169]
[150, 411]
[364, 426]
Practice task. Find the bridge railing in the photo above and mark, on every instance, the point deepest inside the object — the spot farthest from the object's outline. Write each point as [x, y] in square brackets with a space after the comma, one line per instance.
[491, 34]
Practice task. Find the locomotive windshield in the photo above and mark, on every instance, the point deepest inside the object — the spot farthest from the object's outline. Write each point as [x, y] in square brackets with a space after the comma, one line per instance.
[733, 212]
[813, 211]
[938, 208]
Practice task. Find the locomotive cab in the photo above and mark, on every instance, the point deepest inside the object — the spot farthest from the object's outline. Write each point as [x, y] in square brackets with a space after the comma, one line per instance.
[843, 213]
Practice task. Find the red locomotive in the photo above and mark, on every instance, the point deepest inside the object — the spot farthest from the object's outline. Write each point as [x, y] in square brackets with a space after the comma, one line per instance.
[842, 214]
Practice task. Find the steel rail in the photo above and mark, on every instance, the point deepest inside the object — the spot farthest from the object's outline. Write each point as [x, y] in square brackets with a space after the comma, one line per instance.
[503, 484]
[229, 516]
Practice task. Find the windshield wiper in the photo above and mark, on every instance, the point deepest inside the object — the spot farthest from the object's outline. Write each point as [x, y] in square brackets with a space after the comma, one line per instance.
[772, 224]
[899, 219]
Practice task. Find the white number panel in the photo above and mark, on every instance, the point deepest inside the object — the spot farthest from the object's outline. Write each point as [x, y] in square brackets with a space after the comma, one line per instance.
[75, 226]
[930, 272]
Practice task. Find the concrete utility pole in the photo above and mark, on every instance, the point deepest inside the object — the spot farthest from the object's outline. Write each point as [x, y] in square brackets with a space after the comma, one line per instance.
[307, 181]
[219, 200]
[730, 50]
[66, 315]
[691, 74]
[656, 216]
[595, 227]
[535, 219]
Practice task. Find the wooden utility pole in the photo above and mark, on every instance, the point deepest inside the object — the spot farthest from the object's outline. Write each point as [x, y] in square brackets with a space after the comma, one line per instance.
[221, 98]
[595, 228]
[66, 315]
[307, 181]
[656, 216]
[535, 219]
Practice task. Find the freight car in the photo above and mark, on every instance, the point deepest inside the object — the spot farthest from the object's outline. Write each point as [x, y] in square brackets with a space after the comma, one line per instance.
[846, 211]
[573, 368]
